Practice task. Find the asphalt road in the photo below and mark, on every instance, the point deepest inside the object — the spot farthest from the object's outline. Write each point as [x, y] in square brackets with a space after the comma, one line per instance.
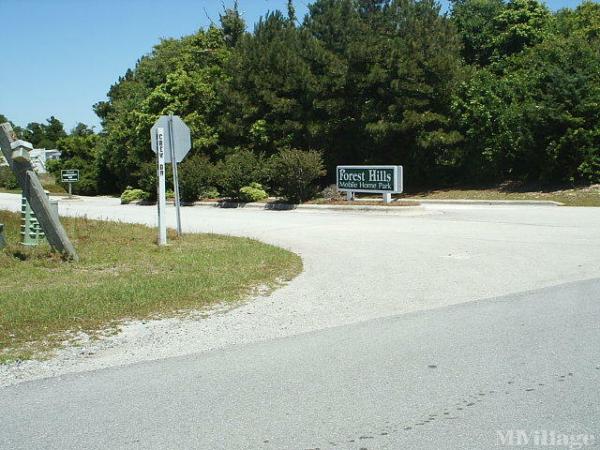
[434, 331]
[447, 378]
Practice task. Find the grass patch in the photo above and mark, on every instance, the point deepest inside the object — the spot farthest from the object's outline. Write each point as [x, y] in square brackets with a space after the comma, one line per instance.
[583, 196]
[122, 274]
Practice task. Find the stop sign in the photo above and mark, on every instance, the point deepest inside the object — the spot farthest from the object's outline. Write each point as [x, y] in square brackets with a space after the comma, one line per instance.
[176, 132]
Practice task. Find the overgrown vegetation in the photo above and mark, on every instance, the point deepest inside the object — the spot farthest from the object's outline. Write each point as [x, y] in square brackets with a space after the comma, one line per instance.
[495, 90]
[122, 274]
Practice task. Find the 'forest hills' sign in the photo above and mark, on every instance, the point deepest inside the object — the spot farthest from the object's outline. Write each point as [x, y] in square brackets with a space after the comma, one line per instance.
[373, 179]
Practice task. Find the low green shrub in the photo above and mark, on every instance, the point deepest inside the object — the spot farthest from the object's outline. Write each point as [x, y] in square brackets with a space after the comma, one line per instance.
[148, 180]
[132, 195]
[195, 176]
[253, 193]
[294, 173]
[238, 170]
[210, 193]
[8, 179]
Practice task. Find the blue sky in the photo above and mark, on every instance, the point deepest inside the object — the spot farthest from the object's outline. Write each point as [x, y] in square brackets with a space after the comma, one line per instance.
[63, 55]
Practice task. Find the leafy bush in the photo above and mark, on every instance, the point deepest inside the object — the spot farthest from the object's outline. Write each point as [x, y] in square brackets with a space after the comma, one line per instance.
[238, 170]
[294, 173]
[195, 176]
[7, 178]
[148, 180]
[210, 192]
[132, 195]
[253, 193]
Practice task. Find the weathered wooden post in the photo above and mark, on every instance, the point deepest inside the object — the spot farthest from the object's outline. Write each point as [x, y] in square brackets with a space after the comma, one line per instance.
[34, 192]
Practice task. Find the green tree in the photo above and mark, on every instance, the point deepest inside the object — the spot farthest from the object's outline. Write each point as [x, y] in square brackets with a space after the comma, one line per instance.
[541, 123]
[180, 77]
[269, 93]
[474, 21]
[17, 129]
[232, 24]
[79, 150]
[492, 91]
[522, 23]
[45, 135]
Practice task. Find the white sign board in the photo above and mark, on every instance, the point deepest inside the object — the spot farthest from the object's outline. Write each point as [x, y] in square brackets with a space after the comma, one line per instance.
[370, 179]
[385, 180]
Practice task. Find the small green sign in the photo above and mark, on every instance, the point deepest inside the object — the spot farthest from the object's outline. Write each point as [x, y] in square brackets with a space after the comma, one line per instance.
[374, 179]
[69, 175]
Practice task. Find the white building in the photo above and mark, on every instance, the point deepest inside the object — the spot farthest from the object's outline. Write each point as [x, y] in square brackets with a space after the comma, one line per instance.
[40, 156]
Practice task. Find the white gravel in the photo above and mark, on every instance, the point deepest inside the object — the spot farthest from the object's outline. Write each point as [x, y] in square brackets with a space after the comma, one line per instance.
[358, 266]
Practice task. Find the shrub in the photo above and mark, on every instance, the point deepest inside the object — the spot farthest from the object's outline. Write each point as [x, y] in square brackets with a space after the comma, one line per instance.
[148, 179]
[195, 176]
[7, 178]
[132, 195]
[253, 193]
[294, 173]
[210, 192]
[238, 170]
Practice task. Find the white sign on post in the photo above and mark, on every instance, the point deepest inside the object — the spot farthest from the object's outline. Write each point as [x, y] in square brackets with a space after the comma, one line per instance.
[162, 195]
[385, 180]
[175, 142]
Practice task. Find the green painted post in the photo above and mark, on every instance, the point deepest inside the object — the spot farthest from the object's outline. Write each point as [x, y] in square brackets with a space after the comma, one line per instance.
[2, 240]
[31, 231]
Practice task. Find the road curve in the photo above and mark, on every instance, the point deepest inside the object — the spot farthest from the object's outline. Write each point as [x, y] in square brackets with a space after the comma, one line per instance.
[358, 267]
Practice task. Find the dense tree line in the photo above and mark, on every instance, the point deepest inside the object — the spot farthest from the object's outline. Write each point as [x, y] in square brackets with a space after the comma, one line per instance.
[494, 90]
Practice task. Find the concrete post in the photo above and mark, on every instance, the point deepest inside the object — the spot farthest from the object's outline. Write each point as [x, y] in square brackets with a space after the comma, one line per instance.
[34, 192]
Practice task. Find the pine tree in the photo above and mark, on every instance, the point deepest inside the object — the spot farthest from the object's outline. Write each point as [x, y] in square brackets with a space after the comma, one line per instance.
[233, 24]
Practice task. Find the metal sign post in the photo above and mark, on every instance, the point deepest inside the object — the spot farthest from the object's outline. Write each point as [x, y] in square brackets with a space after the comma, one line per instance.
[70, 176]
[175, 177]
[162, 194]
[176, 142]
